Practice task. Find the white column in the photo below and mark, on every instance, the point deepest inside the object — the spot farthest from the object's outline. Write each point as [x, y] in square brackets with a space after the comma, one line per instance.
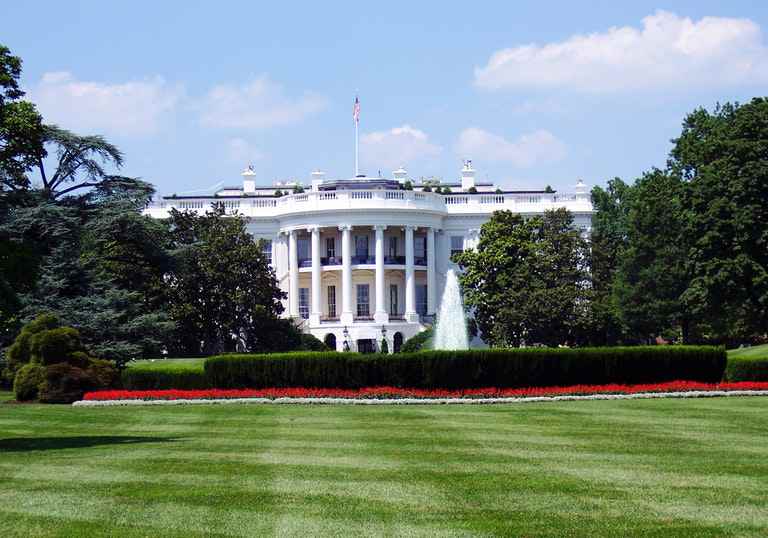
[431, 273]
[410, 278]
[293, 275]
[380, 315]
[347, 316]
[315, 298]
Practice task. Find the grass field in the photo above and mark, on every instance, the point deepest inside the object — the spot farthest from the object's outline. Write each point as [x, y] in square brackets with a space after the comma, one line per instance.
[750, 352]
[631, 468]
[181, 364]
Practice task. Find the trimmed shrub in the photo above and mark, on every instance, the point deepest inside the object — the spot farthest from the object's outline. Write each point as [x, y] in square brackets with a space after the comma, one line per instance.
[64, 383]
[747, 369]
[27, 382]
[311, 343]
[20, 352]
[103, 372]
[56, 345]
[156, 378]
[502, 368]
[417, 342]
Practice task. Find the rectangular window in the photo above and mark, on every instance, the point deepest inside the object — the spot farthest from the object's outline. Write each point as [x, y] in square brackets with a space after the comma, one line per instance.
[393, 306]
[330, 247]
[331, 301]
[421, 299]
[363, 301]
[420, 247]
[361, 246]
[266, 249]
[302, 248]
[457, 244]
[393, 246]
[304, 303]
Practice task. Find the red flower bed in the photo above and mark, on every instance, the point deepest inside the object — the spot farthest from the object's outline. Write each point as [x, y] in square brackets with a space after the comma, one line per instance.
[394, 392]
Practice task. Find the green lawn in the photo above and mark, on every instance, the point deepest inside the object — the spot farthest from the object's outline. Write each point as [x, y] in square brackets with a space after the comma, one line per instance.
[181, 364]
[622, 468]
[750, 352]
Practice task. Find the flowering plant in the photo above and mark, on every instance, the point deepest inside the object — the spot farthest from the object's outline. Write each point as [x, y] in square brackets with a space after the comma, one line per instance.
[406, 393]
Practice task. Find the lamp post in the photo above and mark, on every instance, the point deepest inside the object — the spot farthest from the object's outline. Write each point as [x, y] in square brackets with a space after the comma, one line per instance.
[346, 338]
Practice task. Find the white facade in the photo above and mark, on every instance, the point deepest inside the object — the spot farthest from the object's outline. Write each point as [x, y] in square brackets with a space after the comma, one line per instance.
[363, 258]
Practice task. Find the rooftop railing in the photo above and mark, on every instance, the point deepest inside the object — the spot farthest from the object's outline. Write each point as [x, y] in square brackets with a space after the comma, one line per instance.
[252, 206]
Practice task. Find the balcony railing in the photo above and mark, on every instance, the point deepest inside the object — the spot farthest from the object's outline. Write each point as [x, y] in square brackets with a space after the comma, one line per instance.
[332, 260]
[363, 260]
[265, 206]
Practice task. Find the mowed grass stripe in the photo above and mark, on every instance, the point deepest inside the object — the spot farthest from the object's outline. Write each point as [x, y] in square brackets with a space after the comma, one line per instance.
[595, 468]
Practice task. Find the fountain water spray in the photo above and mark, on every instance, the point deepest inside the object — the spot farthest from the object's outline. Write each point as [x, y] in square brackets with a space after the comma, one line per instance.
[451, 330]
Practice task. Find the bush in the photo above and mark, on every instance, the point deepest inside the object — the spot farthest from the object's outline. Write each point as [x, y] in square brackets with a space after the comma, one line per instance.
[64, 383]
[56, 346]
[311, 343]
[169, 377]
[500, 368]
[27, 382]
[418, 342]
[747, 369]
[20, 353]
[104, 373]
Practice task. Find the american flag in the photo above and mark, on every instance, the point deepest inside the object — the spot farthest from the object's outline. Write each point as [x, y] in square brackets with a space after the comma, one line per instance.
[356, 110]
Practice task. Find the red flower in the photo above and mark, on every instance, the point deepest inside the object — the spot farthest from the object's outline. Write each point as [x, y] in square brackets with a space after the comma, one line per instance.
[395, 392]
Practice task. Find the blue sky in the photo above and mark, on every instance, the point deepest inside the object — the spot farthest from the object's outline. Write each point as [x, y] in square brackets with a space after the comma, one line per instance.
[535, 93]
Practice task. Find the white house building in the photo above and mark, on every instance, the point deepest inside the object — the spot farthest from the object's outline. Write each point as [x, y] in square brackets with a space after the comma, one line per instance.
[365, 258]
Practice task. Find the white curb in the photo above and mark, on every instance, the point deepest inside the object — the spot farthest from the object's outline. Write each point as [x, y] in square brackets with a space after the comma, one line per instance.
[425, 401]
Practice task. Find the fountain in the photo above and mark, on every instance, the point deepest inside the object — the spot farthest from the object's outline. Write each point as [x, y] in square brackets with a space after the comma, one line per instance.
[451, 330]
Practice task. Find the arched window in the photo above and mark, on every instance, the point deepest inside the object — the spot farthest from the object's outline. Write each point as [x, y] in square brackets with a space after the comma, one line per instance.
[330, 341]
[397, 342]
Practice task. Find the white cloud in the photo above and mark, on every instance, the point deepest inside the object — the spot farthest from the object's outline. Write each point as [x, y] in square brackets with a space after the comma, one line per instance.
[398, 146]
[529, 149]
[667, 52]
[128, 108]
[258, 104]
[241, 151]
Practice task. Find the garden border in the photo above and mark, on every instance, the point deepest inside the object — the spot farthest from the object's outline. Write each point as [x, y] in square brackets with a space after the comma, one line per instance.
[423, 401]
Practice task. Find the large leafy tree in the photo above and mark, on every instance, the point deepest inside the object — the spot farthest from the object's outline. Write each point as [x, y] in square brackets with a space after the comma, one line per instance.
[21, 128]
[608, 241]
[653, 270]
[527, 282]
[223, 294]
[723, 157]
[98, 264]
[82, 162]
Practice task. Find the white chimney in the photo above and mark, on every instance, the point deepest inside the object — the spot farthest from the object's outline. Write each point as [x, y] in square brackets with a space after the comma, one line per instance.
[582, 192]
[467, 176]
[318, 177]
[249, 179]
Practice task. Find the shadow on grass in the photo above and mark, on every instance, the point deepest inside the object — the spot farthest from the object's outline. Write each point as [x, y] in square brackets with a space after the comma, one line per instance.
[24, 444]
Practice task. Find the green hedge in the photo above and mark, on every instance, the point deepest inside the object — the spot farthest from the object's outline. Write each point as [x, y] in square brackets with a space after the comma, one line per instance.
[163, 377]
[469, 369]
[746, 369]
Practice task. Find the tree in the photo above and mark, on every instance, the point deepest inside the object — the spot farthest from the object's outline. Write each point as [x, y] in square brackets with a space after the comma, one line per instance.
[527, 280]
[608, 241]
[548, 189]
[223, 295]
[21, 129]
[96, 263]
[722, 156]
[653, 270]
[82, 162]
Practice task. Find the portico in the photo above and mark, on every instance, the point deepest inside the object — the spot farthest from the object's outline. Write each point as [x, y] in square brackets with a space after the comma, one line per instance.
[379, 272]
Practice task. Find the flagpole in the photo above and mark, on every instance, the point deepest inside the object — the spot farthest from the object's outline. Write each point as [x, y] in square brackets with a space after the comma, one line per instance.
[357, 170]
